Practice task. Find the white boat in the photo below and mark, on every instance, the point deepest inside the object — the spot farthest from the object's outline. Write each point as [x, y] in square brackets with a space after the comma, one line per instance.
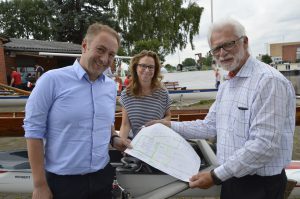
[12, 100]
[193, 94]
[136, 179]
[12, 97]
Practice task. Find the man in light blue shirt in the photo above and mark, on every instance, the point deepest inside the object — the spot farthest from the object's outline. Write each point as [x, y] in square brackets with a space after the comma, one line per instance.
[253, 119]
[72, 109]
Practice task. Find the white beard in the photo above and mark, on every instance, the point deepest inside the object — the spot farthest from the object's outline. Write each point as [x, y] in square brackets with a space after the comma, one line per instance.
[236, 62]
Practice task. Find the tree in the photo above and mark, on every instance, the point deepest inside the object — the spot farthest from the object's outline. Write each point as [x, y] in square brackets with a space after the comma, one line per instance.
[60, 20]
[25, 19]
[266, 59]
[71, 18]
[207, 60]
[170, 68]
[151, 44]
[167, 22]
[189, 62]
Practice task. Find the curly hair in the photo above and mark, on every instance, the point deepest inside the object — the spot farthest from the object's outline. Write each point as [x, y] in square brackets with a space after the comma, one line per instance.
[134, 88]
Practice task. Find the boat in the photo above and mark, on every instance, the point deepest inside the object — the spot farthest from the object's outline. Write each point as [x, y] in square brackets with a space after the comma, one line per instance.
[181, 93]
[11, 122]
[134, 179]
[12, 97]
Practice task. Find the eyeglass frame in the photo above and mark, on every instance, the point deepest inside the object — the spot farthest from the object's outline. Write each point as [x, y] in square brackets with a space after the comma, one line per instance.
[144, 67]
[222, 46]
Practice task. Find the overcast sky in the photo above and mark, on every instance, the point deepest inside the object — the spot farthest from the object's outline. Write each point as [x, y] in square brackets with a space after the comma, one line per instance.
[266, 21]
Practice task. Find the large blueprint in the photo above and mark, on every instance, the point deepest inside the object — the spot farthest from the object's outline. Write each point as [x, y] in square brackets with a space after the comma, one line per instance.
[164, 149]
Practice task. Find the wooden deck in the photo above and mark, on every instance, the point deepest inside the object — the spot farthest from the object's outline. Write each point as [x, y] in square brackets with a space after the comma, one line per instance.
[11, 122]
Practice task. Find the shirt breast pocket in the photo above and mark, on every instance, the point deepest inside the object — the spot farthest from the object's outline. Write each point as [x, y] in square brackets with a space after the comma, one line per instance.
[240, 122]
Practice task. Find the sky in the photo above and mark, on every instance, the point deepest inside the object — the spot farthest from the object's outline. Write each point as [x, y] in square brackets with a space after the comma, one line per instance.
[265, 21]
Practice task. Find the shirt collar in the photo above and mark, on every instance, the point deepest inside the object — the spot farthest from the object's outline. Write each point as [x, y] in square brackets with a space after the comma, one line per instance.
[80, 72]
[246, 69]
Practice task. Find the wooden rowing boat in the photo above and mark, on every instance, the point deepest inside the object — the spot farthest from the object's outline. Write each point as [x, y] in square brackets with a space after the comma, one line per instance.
[11, 122]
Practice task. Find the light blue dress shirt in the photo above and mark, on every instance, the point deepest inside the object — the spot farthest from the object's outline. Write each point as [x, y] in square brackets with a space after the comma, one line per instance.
[74, 116]
[253, 118]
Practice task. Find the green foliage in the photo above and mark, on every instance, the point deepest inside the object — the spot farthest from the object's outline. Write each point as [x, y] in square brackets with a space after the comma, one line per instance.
[161, 26]
[189, 62]
[167, 22]
[71, 18]
[207, 60]
[25, 19]
[205, 102]
[151, 44]
[60, 20]
[266, 59]
[170, 68]
[121, 52]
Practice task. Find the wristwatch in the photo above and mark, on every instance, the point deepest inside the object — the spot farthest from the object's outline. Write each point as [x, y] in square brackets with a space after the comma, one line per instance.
[216, 180]
[112, 139]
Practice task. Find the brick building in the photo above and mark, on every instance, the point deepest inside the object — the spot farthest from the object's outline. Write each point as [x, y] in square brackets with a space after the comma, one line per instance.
[24, 53]
[287, 52]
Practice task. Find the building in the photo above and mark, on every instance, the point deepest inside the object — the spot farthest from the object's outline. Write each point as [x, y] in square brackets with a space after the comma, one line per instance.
[285, 52]
[25, 53]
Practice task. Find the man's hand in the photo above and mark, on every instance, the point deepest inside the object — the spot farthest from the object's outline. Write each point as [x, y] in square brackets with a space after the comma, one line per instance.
[42, 192]
[121, 143]
[201, 180]
[164, 122]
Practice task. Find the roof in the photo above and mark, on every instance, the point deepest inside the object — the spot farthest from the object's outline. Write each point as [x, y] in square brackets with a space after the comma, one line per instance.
[41, 46]
[285, 43]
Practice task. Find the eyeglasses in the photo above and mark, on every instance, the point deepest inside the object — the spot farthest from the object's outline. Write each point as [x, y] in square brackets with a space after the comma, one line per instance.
[144, 67]
[226, 46]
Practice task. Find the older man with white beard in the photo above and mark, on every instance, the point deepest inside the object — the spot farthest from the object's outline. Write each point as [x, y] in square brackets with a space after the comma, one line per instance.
[253, 119]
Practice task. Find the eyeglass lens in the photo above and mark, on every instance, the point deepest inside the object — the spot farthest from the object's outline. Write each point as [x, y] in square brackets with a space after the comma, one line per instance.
[144, 66]
[226, 46]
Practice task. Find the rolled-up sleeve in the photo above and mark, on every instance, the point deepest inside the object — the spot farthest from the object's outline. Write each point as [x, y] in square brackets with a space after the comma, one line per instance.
[37, 107]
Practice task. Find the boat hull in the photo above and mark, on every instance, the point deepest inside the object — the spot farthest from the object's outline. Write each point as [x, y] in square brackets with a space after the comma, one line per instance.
[13, 101]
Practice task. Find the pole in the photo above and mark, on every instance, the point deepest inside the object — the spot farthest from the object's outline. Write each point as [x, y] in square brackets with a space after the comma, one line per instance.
[211, 7]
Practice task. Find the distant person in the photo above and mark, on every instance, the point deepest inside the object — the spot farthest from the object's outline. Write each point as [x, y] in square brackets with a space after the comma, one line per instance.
[72, 109]
[15, 79]
[179, 67]
[39, 70]
[253, 119]
[218, 78]
[119, 83]
[145, 98]
[23, 74]
[127, 79]
[28, 84]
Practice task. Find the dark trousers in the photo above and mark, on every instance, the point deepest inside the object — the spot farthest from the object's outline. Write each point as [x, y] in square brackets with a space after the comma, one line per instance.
[97, 185]
[255, 187]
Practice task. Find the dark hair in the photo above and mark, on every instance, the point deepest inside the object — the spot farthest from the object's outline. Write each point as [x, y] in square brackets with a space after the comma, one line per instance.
[134, 87]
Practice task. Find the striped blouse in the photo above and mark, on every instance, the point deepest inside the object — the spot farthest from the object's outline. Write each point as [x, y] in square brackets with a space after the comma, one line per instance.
[143, 109]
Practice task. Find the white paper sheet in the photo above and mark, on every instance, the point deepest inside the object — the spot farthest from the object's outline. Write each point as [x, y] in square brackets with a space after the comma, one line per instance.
[164, 149]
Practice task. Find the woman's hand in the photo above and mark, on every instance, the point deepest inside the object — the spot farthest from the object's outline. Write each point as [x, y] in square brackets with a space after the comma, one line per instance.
[163, 121]
[121, 143]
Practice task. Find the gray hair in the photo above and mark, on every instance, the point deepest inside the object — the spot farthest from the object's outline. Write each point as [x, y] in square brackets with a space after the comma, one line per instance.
[239, 29]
